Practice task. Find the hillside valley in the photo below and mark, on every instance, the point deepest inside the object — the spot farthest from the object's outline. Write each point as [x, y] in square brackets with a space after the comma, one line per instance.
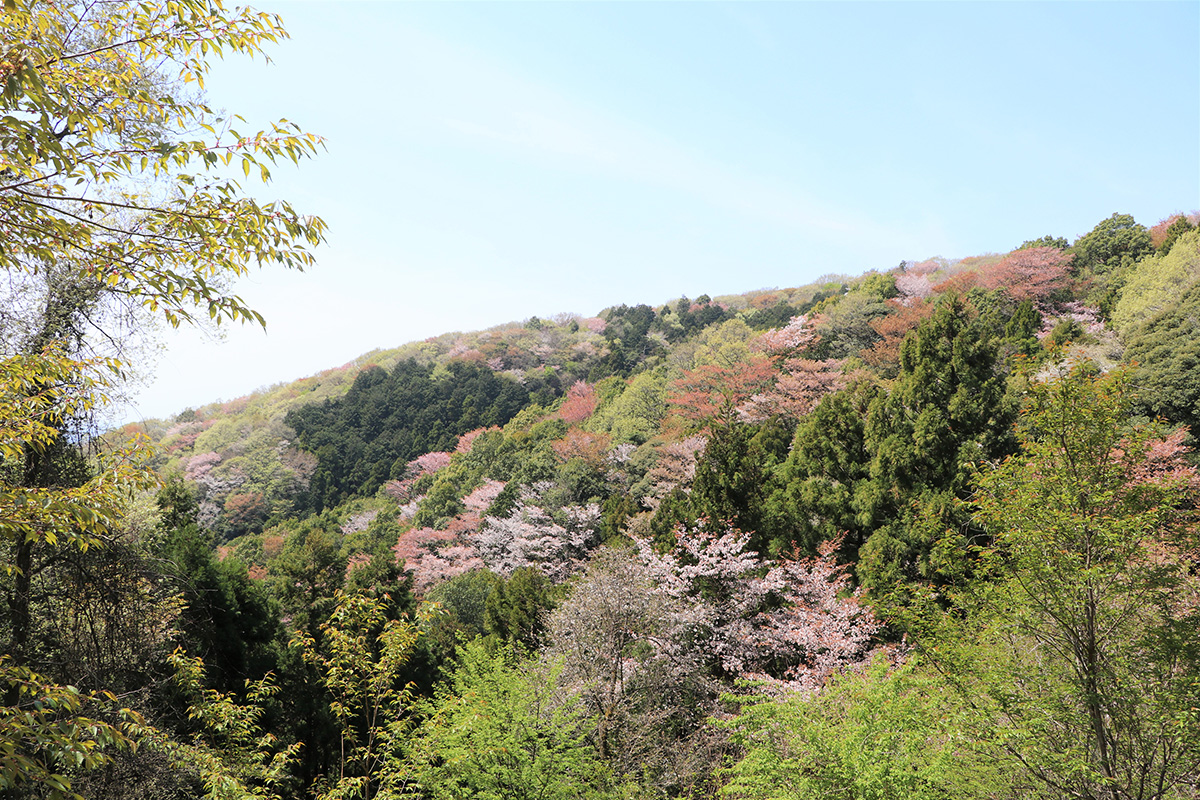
[928, 531]
[594, 543]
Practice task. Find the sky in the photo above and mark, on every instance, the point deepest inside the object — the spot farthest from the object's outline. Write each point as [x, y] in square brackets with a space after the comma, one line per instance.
[486, 162]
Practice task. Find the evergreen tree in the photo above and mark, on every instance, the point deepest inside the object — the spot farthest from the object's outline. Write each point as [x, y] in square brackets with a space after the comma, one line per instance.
[946, 413]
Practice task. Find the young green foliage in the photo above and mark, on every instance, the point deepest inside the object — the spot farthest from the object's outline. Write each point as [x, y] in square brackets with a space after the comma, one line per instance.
[361, 660]
[45, 736]
[1080, 649]
[230, 754]
[876, 734]
[501, 729]
[95, 105]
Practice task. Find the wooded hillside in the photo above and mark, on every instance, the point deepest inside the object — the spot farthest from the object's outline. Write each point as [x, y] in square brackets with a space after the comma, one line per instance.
[928, 512]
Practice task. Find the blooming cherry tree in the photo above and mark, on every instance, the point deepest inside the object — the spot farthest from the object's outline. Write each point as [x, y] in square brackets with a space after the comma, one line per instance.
[531, 537]
[789, 622]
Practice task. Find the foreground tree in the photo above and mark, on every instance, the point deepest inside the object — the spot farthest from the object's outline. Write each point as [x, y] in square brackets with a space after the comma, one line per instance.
[946, 413]
[115, 187]
[873, 734]
[1080, 652]
[361, 662]
[645, 693]
[97, 99]
[501, 729]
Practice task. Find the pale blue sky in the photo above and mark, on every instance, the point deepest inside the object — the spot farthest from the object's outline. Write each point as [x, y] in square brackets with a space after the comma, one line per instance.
[491, 161]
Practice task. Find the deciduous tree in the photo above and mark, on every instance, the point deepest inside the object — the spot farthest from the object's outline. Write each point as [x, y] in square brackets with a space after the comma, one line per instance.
[1080, 649]
[502, 729]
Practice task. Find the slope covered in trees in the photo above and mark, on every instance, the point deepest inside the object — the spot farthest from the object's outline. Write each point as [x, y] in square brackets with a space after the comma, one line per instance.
[923, 532]
[859, 495]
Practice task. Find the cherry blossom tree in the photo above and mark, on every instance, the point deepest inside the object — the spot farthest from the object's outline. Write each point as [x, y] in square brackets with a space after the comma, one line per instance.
[797, 390]
[675, 467]
[781, 343]
[791, 623]
[617, 637]
[913, 287]
[1032, 273]
[435, 554]
[592, 448]
[556, 545]
[478, 499]
[419, 467]
[800, 381]
[712, 392]
[579, 403]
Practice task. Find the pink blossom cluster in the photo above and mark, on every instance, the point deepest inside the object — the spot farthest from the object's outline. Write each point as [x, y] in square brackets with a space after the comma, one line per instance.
[420, 466]
[199, 465]
[797, 390]
[796, 335]
[479, 499]
[675, 466]
[787, 612]
[433, 555]
[913, 286]
[532, 537]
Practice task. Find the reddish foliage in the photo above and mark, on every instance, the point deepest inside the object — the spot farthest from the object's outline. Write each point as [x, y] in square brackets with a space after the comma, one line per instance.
[714, 390]
[235, 406]
[1165, 462]
[245, 510]
[801, 381]
[184, 442]
[433, 555]
[355, 561]
[893, 328]
[1158, 234]
[579, 403]
[591, 447]
[1033, 273]
[415, 543]
[961, 283]
[767, 299]
[399, 490]
[271, 544]
[471, 356]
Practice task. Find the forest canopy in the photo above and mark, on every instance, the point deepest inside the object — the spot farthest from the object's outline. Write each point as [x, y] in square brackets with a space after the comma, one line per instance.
[924, 532]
